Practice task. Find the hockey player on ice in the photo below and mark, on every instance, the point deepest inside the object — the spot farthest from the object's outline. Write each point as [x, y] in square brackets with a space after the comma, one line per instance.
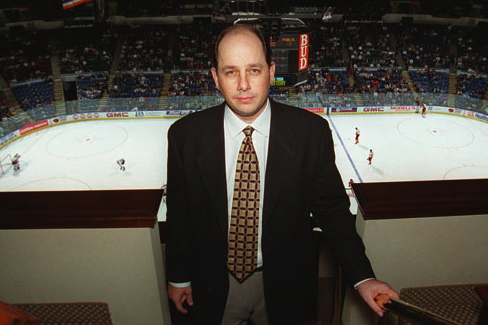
[370, 156]
[351, 181]
[15, 162]
[422, 107]
[121, 163]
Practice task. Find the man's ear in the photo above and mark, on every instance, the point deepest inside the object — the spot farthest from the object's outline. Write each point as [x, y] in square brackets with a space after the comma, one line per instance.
[272, 70]
[215, 77]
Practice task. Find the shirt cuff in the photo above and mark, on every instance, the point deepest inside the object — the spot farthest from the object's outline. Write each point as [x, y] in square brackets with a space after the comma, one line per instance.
[180, 285]
[356, 285]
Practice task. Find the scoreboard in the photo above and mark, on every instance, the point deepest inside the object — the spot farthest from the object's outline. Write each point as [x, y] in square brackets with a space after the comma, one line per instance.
[290, 41]
[290, 53]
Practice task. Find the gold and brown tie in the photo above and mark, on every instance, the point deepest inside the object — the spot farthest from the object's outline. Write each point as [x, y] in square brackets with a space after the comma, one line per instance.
[242, 254]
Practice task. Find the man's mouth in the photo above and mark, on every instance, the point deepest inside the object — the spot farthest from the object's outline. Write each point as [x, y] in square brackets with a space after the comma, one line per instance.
[244, 99]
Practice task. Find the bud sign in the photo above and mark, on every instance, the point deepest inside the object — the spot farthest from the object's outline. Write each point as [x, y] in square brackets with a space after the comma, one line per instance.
[304, 41]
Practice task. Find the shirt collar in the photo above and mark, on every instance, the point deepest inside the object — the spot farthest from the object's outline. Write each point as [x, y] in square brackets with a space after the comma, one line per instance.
[235, 125]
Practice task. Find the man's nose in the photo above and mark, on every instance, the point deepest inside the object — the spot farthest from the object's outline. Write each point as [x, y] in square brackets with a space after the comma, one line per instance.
[243, 83]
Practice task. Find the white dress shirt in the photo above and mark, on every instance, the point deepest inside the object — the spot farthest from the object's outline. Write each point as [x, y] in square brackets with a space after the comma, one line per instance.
[233, 136]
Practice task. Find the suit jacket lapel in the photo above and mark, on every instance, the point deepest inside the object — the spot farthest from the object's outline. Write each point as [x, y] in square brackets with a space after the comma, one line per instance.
[212, 165]
[212, 162]
[280, 159]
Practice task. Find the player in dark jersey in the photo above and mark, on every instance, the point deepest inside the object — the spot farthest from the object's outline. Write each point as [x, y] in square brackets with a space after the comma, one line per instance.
[121, 163]
[15, 162]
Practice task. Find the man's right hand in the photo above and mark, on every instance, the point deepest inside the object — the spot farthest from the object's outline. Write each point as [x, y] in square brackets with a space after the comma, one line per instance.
[179, 296]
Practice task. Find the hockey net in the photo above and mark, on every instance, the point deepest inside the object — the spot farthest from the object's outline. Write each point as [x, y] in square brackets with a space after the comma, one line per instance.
[5, 164]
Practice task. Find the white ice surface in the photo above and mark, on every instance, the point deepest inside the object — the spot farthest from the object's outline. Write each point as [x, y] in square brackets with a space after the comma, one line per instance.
[83, 155]
[410, 147]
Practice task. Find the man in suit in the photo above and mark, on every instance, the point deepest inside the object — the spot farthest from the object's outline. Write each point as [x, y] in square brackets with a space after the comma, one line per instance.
[299, 185]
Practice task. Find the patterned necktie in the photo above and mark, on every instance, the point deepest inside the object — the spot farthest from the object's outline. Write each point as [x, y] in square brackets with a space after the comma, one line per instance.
[243, 232]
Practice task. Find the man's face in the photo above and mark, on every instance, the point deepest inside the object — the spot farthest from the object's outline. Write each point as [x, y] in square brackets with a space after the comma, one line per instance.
[243, 76]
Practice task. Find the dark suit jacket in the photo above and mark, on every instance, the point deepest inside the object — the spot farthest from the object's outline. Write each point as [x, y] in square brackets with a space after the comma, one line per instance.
[301, 179]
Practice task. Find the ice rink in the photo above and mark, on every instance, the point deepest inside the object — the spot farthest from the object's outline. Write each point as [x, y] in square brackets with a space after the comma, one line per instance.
[83, 155]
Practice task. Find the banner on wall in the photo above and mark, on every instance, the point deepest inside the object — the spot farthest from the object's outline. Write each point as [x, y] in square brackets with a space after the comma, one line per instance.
[343, 109]
[33, 127]
[68, 4]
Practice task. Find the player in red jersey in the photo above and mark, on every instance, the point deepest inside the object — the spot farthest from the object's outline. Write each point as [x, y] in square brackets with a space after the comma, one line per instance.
[424, 109]
[351, 181]
[370, 156]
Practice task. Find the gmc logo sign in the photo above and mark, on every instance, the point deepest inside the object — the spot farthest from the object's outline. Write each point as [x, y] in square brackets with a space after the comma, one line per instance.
[373, 109]
[304, 40]
[117, 114]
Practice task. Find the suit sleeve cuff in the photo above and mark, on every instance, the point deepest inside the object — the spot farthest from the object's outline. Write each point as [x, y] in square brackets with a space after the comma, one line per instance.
[356, 285]
[180, 285]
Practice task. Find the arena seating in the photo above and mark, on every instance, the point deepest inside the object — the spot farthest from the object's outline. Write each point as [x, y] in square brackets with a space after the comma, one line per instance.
[144, 48]
[425, 46]
[359, 63]
[85, 51]
[430, 81]
[472, 51]
[36, 98]
[370, 45]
